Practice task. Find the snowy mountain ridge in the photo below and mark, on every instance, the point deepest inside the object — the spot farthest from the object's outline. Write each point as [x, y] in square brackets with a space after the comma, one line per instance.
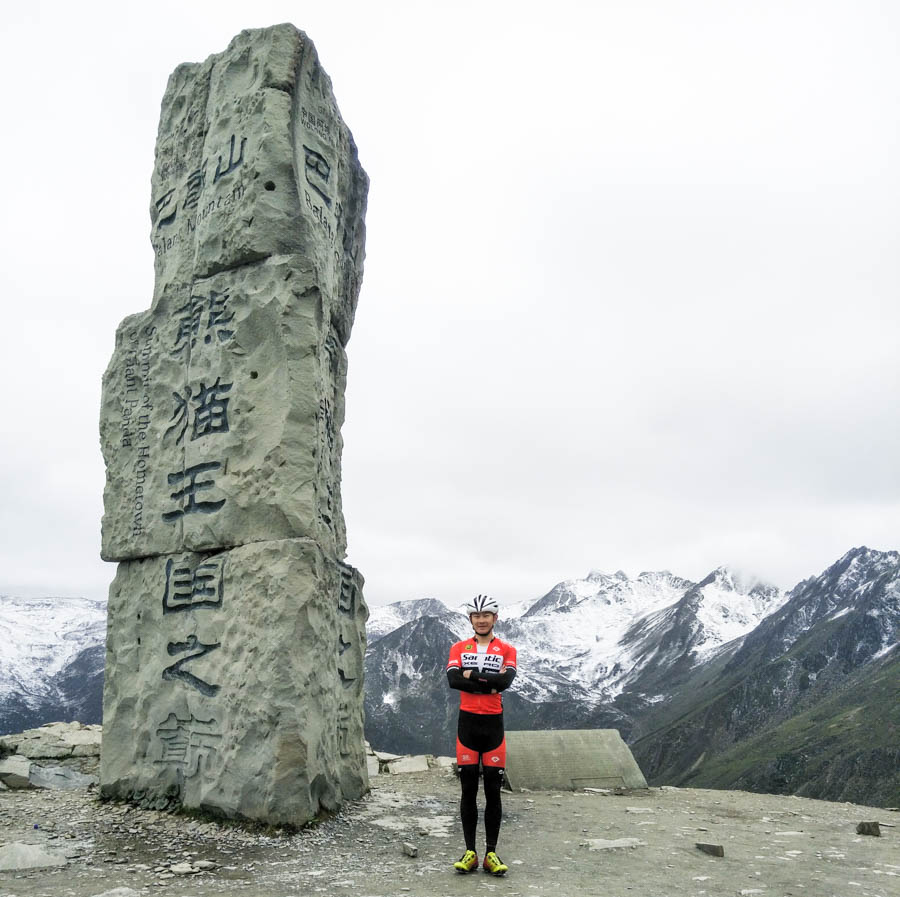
[40, 637]
[585, 631]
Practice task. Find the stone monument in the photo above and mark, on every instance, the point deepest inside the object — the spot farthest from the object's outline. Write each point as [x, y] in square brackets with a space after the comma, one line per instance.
[236, 633]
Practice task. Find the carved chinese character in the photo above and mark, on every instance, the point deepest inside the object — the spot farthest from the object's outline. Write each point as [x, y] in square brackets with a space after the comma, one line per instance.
[210, 409]
[232, 162]
[327, 419]
[162, 205]
[190, 489]
[188, 318]
[179, 415]
[188, 742]
[218, 316]
[197, 649]
[347, 594]
[194, 185]
[191, 588]
[318, 171]
[343, 727]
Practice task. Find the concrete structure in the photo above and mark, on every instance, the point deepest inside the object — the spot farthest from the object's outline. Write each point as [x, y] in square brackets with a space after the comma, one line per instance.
[569, 759]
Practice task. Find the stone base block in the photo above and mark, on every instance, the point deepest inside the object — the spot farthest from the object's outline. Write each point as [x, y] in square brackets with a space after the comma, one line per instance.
[234, 683]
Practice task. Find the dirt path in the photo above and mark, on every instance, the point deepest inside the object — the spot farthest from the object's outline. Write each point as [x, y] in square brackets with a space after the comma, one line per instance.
[774, 846]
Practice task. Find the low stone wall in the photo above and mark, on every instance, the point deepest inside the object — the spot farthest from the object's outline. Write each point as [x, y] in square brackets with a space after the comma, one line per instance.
[56, 755]
[67, 755]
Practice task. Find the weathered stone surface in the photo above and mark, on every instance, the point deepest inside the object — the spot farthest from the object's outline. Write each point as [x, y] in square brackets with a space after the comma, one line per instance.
[613, 843]
[257, 278]
[15, 772]
[39, 751]
[18, 856]
[249, 705]
[419, 763]
[256, 417]
[60, 778]
[54, 741]
[236, 634]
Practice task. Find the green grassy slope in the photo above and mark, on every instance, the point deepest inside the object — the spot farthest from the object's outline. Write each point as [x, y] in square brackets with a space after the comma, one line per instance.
[846, 747]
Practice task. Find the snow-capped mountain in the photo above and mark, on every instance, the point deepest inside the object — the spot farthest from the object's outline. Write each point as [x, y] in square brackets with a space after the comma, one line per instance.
[580, 646]
[392, 616]
[587, 639]
[813, 689]
[609, 628]
[51, 660]
[688, 672]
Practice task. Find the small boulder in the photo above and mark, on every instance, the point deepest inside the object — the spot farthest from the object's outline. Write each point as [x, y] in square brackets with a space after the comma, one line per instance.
[409, 764]
[18, 856]
[60, 778]
[183, 869]
[616, 844]
[14, 772]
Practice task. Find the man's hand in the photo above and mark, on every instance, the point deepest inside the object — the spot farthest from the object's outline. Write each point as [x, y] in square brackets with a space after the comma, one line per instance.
[467, 674]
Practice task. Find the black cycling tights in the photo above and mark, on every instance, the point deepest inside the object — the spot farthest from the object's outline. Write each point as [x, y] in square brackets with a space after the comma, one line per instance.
[493, 806]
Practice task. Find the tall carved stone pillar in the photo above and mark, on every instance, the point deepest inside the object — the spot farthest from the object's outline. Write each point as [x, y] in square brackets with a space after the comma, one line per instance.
[236, 633]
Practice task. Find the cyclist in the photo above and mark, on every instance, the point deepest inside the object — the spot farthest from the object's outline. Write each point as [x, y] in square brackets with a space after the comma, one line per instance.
[481, 667]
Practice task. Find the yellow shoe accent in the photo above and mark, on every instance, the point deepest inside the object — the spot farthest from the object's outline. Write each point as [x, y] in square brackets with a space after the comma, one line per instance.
[493, 864]
[468, 862]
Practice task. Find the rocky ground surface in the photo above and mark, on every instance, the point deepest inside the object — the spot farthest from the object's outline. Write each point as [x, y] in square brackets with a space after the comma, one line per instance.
[554, 842]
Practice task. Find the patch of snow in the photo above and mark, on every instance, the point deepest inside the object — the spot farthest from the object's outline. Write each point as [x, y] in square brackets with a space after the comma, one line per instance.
[730, 607]
[40, 636]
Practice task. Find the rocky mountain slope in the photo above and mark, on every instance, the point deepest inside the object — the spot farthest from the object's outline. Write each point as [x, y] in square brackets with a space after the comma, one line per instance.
[810, 691]
[51, 661]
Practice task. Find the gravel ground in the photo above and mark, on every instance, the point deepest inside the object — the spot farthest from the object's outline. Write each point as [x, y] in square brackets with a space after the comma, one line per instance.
[773, 846]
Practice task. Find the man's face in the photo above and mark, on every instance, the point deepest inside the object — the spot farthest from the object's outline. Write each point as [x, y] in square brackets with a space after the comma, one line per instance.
[483, 622]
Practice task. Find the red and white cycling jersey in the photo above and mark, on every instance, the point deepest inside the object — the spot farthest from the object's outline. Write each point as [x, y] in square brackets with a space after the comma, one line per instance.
[464, 656]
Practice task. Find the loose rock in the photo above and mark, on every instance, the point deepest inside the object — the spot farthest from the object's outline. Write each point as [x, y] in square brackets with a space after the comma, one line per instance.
[616, 844]
[19, 855]
[714, 850]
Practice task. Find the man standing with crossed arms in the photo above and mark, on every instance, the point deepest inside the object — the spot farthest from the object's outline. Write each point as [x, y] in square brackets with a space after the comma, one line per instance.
[481, 667]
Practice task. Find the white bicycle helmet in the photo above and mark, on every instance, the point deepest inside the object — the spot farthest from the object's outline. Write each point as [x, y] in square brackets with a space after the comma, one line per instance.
[482, 604]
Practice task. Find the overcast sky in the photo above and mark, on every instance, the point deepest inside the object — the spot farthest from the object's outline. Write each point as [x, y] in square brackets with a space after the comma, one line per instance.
[631, 287]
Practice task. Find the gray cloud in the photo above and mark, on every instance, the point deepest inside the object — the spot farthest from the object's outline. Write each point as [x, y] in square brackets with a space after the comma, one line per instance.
[630, 291]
